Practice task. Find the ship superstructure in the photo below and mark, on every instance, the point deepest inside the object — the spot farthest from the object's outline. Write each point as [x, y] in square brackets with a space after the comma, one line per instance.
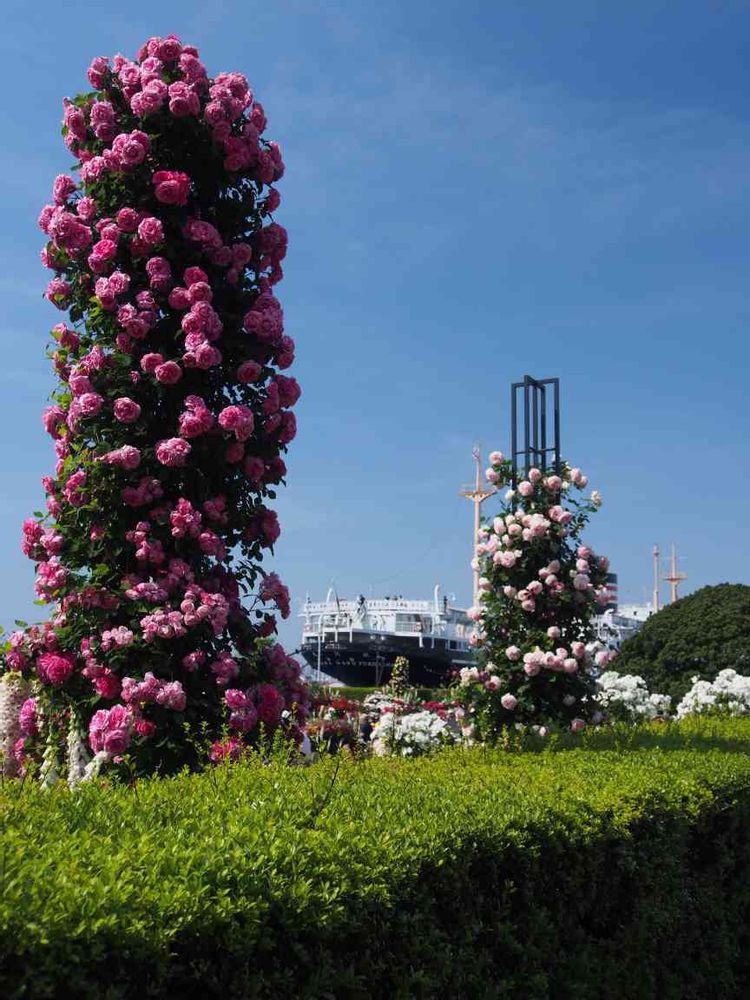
[357, 641]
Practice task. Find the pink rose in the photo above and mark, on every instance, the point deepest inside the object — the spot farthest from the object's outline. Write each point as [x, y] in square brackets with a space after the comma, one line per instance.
[151, 231]
[150, 362]
[63, 188]
[127, 220]
[89, 404]
[172, 451]
[130, 148]
[248, 371]
[127, 457]
[58, 292]
[179, 298]
[509, 702]
[27, 718]
[171, 187]
[577, 725]
[238, 419]
[53, 668]
[193, 275]
[126, 410]
[168, 373]
[97, 71]
[109, 730]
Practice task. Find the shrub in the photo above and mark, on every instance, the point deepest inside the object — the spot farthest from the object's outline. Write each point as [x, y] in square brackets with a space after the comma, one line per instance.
[699, 635]
[611, 870]
[728, 694]
[411, 733]
[170, 419]
[626, 697]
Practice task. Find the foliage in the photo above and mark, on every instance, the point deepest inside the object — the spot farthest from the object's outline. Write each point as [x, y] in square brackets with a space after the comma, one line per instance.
[566, 873]
[699, 635]
[399, 682]
[170, 418]
[539, 589]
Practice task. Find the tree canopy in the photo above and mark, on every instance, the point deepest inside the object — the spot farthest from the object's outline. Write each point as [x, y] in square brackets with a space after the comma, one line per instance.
[700, 634]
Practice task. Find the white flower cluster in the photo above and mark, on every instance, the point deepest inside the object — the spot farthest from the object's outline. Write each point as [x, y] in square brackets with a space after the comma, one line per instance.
[14, 690]
[626, 696]
[728, 692]
[412, 734]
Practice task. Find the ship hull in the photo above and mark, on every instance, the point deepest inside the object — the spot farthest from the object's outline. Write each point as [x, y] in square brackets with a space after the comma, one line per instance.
[368, 663]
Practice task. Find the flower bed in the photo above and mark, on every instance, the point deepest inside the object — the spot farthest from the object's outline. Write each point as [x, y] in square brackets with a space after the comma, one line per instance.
[613, 868]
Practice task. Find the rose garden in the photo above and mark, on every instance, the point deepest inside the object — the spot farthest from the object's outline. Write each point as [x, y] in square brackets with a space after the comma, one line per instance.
[182, 814]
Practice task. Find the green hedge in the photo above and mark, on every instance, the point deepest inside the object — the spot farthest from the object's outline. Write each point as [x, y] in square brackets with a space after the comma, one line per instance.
[614, 869]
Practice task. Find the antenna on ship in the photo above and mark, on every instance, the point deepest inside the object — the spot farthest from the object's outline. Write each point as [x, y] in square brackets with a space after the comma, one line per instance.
[674, 578]
[477, 493]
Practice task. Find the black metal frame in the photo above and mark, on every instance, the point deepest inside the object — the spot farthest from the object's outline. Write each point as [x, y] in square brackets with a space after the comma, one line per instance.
[535, 450]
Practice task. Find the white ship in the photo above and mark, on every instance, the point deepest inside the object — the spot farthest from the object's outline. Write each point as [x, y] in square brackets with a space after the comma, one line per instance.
[357, 641]
[619, 622]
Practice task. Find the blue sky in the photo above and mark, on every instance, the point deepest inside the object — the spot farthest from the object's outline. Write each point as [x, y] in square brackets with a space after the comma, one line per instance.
[475, 191]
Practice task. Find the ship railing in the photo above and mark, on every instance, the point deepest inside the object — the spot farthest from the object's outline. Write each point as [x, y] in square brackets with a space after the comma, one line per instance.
[350, 607]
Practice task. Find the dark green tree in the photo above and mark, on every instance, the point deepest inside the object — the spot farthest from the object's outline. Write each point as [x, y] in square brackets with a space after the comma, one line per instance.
[698, 635]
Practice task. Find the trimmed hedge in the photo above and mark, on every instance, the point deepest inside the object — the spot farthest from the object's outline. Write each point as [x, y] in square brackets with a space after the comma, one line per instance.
[617, 868]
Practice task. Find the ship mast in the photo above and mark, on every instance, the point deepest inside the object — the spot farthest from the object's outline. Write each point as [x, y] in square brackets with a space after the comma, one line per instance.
[655, 600]
[674, 578]
[477, 493]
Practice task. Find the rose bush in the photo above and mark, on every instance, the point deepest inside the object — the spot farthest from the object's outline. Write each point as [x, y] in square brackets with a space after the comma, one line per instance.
[539, 589]
[170, 420]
